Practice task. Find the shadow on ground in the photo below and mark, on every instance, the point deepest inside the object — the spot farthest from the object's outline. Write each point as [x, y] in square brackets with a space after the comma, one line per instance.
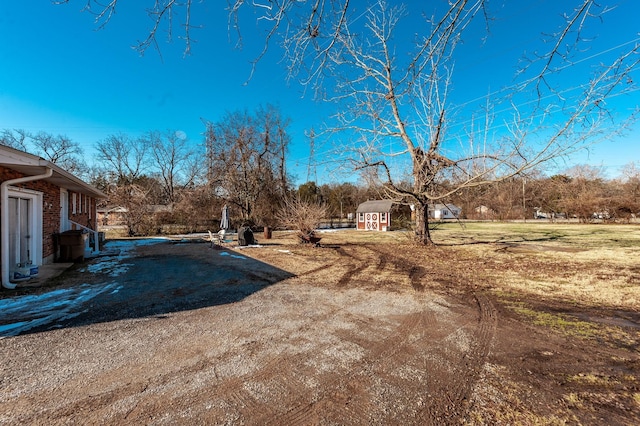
[150, 278]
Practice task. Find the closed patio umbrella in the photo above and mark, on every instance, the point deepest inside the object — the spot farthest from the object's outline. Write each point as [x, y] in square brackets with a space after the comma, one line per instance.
[224, 222]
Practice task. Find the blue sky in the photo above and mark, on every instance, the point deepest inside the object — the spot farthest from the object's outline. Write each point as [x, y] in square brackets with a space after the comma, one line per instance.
[59, 74]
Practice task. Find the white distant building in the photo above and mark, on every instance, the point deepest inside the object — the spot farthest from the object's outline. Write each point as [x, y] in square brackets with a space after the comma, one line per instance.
[444, 211]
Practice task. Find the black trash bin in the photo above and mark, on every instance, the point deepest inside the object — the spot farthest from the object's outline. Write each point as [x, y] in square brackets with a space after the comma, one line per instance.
[245, 236]
[72, 245]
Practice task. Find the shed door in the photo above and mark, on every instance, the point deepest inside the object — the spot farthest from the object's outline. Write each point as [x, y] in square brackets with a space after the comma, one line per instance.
[371, 221]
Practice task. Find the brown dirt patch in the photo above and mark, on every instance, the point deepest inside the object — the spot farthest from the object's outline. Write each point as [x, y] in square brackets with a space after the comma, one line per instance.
[353, 332]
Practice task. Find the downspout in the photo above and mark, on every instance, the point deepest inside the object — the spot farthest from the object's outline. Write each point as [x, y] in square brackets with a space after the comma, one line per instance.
[4, 221]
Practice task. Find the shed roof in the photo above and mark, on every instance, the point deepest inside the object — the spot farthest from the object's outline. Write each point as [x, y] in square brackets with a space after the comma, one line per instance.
[451, 207]
[375, 206]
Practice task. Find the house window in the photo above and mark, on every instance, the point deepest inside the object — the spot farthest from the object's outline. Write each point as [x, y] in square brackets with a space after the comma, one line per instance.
[74, 202]
[89, 206]
[360, 217]
[80, 204]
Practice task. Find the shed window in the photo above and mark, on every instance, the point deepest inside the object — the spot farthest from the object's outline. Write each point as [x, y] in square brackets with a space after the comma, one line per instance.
[360, 217]
[383, 217]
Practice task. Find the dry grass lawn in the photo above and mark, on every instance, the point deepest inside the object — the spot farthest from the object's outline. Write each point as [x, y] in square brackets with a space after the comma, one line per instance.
[593, 265]
[576, 287]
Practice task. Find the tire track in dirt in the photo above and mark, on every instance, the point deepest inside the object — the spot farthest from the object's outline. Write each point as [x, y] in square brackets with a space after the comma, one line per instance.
[457, 392]
[356, 265]
[331, 398]
[306, 405]
[380, 263]
[239, 392]
[346, 398]
[415, 272]
[352, 263]
[129, 389]
[457, 377]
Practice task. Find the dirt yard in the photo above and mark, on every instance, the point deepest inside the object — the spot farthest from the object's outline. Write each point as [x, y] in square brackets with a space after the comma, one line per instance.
[365, 329]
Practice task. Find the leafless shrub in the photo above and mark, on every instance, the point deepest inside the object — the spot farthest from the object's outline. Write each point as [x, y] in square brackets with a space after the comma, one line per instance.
[134, 199]
[304, 216]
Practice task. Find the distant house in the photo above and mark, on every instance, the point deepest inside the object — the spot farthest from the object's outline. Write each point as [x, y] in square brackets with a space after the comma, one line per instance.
[37, 201]
[374, 215]
[112, 215]
[484, 212]
[444, 211]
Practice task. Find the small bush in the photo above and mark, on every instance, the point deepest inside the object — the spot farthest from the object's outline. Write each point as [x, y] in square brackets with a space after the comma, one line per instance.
[303, 216]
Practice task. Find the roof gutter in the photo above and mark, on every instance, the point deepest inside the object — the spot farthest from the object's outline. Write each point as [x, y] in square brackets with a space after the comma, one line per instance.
[4, 220]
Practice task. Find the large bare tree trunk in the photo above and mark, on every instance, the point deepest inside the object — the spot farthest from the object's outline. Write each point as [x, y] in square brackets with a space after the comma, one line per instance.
[423, 236]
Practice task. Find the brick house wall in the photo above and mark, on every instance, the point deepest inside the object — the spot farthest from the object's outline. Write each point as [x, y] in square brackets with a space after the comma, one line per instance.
[85, 209]
[82, 210]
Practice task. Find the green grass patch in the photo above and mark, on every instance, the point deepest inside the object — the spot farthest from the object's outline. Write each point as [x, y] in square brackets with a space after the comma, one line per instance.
[594, 380]
[613, 336]
[559, 322]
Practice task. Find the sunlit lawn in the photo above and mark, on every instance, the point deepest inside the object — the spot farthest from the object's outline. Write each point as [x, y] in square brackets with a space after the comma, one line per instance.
[591, 264]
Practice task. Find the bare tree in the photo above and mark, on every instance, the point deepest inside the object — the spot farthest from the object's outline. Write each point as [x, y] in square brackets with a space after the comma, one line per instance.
[60, 149]
[395, 92]
[162, 14]
[631, 171]
[408, 101]
[302, 215]
[123, 157]
[584, 193]
[173, 158]
[135, 200]
[16, 138]
[629, 204]
[247, 161]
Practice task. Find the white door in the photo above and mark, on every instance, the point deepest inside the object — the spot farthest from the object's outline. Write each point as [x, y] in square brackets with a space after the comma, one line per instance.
[25, 227]
[64, 210]
[19, 230]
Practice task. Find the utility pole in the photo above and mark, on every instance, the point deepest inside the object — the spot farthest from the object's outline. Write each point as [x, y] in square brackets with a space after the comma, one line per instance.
[524, 203]
[311, 164]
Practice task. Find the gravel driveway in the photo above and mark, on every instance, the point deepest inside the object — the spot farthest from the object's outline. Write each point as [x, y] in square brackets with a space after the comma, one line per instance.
[169, 333]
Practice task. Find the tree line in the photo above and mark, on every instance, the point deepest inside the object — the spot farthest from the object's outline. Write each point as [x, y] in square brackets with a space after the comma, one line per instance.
[581, 192]
[162, 183]
[162, 178]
